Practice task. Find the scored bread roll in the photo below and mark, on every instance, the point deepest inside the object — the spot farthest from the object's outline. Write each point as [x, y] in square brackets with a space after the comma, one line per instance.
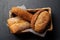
[42, 21]
[34, 17]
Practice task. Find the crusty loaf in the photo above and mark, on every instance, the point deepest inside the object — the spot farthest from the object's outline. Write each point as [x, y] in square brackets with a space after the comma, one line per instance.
[42, 21]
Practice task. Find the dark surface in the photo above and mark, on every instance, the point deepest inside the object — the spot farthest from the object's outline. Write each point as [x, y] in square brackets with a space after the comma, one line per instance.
[5, 5]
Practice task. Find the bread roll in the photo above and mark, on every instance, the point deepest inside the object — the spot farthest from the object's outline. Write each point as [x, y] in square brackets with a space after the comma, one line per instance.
[42, 21]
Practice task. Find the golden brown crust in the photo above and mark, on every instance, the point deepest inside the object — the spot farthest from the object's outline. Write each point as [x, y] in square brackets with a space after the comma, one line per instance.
[34, 19]
[13, 20]
[17, 24]
[18, 27]
[22, 13]
[42, 21]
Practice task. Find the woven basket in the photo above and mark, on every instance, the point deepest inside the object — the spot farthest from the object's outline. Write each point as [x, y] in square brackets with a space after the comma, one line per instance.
[34, 10]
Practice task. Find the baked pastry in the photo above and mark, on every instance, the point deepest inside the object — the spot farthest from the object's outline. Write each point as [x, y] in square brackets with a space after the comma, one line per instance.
[17, 24]
[19, 27]
[13, 20]
[42, 21]
[22, 13]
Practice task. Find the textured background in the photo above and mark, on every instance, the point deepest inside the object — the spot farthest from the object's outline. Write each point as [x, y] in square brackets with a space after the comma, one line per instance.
[5, 5]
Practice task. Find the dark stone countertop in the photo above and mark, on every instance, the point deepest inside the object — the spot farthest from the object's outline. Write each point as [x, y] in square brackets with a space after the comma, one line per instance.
[5, 5]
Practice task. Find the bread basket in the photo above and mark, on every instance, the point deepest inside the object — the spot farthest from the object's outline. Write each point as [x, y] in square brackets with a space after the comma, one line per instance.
[30, 30]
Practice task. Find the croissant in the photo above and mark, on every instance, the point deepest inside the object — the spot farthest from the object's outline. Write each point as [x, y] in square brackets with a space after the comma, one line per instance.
[17, 24]
[11, 21]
